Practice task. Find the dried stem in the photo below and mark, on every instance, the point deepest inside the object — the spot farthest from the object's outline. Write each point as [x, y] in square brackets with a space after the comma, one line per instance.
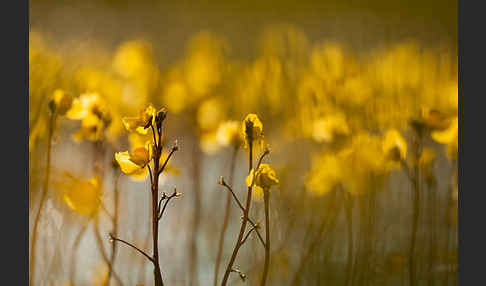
[52, 123]
[226, 217]
[131, 245]
[266, 199]
[253, 224]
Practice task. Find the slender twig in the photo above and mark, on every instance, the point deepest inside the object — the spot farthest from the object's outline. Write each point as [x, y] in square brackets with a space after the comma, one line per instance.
[150, 173]
[45, 188]
[175, 148]
[249, 232]
[174, 195]
[245, 217]
[102, 250]
[133, 246]
[266, 199]
[226, 217]
[115, 224]
[253, 224]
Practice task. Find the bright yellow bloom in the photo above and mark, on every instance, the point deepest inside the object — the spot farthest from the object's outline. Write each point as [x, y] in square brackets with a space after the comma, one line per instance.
[447, 135]
[435, 119]
[263, 178]
[227, 133]
[252, 126]
[132, 163]
[394, 146]
[327, 128]
[141, 123]
[81, 196]
[62, 101]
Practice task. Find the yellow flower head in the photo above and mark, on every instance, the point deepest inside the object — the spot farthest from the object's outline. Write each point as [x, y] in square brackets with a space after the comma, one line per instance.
[435, 119]
[265, 177]
[146, 118]
[252, 128]
[447, 135]
[81, 196]
[132, 163]
[327, 128]
[94, 116]
[227, 133]
[61, 101]
[325, 174]
[394, 146]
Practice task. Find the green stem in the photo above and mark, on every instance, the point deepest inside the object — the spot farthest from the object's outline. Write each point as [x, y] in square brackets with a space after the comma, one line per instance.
[266, 199]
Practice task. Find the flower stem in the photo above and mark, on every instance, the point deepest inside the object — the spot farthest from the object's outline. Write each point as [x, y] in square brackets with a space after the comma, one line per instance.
[266, 199]
[52, 123]
[243, 223]
[226, 217]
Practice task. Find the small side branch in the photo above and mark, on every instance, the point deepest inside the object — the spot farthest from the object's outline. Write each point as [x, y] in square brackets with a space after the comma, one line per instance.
[174, 148]
[254, 228]
[253, 224]
[175, 194]
[112, 238]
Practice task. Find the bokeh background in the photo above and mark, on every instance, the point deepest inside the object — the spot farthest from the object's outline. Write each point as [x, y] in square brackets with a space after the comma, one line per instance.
[330, 80]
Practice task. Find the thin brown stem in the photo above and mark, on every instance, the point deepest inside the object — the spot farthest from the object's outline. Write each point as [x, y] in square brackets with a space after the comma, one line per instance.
[115, 224]
[253, 224]
[133, 246]
[174, 195]
[243, 223]
[266, 199]
[99, 242]
[45, 188]
[226, 218]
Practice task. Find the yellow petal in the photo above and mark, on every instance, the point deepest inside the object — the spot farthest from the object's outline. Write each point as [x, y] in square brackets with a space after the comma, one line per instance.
[140, 156]
[249, 178]
[448, 135]
[126, 165]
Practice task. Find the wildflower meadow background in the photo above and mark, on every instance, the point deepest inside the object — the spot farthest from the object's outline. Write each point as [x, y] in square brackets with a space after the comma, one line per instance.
[258, 143]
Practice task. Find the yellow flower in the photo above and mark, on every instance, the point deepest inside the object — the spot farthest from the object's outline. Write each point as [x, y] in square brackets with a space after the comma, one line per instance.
[81, 196]
[327, 128]
[85, 105]
[394, 146]
[132, 163]
[91, 129]
[252, 128]
[62, 101]
[210, 113]
[263, 178]
[92, 111]
[434, 119]
[141, 123]
[227, 133]
[326, 172]
[447, 135]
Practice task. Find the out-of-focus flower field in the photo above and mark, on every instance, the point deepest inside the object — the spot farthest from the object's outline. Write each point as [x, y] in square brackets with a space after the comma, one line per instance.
[348, 147]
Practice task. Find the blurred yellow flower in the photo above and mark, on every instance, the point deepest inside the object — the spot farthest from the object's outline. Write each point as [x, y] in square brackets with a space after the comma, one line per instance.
[81, 196]
[325, 173]
[253, 127]
[62, 101]
[94, 116]
[228, 133]
[447, 135]
[327, 128]
[394, 146]
[210, 113]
